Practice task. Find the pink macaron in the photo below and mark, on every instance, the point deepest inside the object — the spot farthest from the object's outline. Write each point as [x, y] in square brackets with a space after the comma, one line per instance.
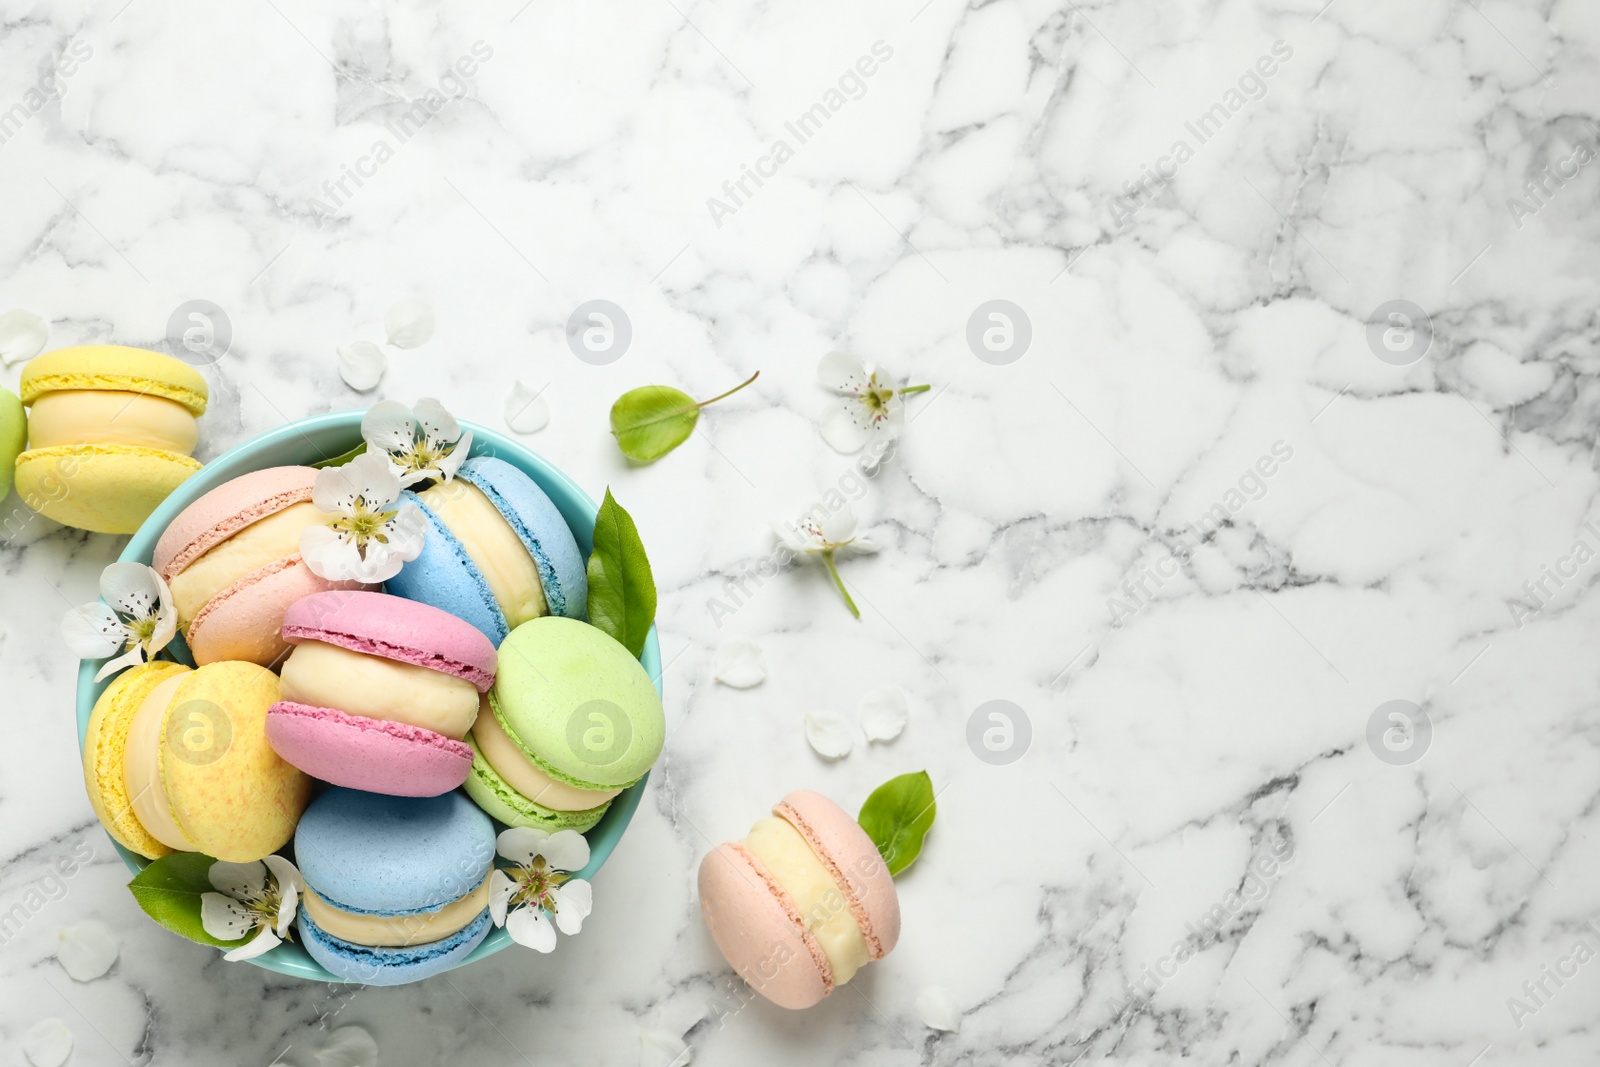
[232, 559]
[800, 904]
[378, 693]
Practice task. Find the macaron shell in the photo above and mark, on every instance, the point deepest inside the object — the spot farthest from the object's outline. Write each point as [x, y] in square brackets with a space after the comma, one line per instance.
[759, 930]
[104, 742]
[101, 488]
[115, 367]
[245, 620]
[13, 437]
[494, 795]
[407, 631]
[559, 681]
[243, 803]
[374, 755]
[390, 966]
[444, 576]
[227, 509]
[541, 528]
[852, 860]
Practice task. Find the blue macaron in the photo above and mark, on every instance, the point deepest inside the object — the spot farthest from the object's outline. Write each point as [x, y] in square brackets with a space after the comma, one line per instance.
[407, 871]
[445, 575]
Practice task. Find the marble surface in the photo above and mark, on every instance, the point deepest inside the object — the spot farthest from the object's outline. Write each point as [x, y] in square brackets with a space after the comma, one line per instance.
[1200, 533]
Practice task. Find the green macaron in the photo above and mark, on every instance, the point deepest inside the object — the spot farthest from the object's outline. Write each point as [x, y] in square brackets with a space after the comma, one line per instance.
[13, 437]
[575, 720]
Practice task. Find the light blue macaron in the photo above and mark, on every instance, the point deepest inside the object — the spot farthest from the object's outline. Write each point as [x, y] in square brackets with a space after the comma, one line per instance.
[370, 854]
[445, 576]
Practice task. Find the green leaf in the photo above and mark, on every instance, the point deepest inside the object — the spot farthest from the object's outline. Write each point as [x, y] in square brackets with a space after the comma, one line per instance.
[169, 892]
[622, 592]
[341, 460]
[652, 420]
[897, 816]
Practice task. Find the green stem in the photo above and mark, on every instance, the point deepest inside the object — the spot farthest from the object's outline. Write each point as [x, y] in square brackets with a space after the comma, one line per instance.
[915, 389]
[833, 569]
[730, 392]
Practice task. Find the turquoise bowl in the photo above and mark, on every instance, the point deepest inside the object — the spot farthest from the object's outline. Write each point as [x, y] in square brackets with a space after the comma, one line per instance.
[312, 441]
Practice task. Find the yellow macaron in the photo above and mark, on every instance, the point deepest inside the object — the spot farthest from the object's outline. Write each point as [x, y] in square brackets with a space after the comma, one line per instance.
[110, 432]
[176, 760]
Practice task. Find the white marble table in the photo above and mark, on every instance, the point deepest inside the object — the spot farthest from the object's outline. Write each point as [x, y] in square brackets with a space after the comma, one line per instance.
[1200, 532]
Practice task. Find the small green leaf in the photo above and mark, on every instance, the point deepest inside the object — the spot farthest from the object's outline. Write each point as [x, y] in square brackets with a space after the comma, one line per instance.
[169, 892]
[652, 420]
[897, 816]
[622, 592]
[341, 460]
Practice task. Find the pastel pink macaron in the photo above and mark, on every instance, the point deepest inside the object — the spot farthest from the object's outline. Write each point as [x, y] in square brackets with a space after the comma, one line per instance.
[378, 693]
[232, 559]
[801, 903]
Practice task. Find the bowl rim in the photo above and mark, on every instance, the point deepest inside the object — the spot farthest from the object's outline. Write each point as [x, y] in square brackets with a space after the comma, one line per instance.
[291, 958]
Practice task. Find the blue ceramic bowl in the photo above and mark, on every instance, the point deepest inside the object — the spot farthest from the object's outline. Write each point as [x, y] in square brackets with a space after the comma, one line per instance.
[311, 441]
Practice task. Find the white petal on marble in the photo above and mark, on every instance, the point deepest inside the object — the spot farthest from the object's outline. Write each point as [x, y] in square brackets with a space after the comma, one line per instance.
[47, 1043]
[348, 1046]
[829, 734]
[662, 1048]
[937, 1009]
[361, 365]
[527, 409]
[409, 323]
[87, 949]
[883, 713]
[23, 335]
[739, 663]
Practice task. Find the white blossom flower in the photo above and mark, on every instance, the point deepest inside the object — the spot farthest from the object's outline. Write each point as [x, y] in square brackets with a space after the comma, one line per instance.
[423, 445]
[872, 407]
[367, 537]
[825, 536]
[540, 887]
[260, 895]
[141, 619]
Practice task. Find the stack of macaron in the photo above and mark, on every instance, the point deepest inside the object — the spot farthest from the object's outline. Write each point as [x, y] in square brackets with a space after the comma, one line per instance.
[111, 432]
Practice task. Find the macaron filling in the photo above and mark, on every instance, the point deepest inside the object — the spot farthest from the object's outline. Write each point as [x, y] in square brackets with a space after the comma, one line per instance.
[493, 546]
[263, 542]
[101, 416]
[372, 687]
[508, 760]
[823, 905]
[397, 931]
[141, 767]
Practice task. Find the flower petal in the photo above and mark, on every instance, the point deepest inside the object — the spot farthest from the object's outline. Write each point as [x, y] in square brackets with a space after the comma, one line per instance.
[349, 1046]
[87, 949]
[23, 335]
[284, 872]
[739, 664]
[520, 844]
[829, 734]
[938, 1010]
[883, 713]
[373, 478]
[242, 881]
[839, 526]
[47, 1043]
[130, 658]
[457, 455]
[409, 323]
[131, 589]
[361, 365]
[287, 903]
[92, 631]
[389, 427]
[262, 943]
[530, 927]
[566, 850]
[842, 372]
[843, 430]
[224, 918]
[501, 890]
[166, 618]
[328, 555]
[794, 538]
[574, 901]
[439, 427]
[527, 410]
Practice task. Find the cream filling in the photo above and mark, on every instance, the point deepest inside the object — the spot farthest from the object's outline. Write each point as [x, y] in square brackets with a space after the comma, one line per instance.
[784, 853]
[262, 542]
[141, 768]
[372, 687]
[523, 775]
[397, 931]
[101, 416]
[493, 545]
